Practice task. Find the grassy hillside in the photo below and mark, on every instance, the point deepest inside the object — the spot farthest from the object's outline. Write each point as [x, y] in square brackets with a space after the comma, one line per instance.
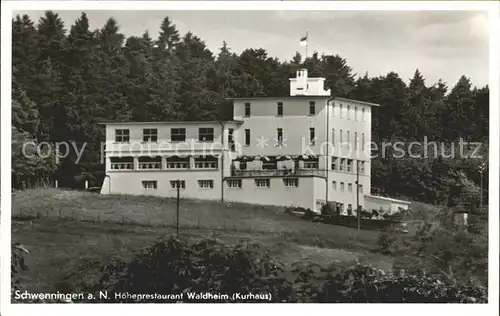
[84, 230]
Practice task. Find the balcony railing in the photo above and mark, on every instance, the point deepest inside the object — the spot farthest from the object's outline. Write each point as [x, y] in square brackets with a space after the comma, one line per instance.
[278, 172]
[150, 165]
[177, 165]
[205, 165]
[122, 165]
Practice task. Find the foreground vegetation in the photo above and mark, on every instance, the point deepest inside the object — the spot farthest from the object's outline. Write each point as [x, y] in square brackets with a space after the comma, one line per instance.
[303, 261]
[177, 268]
[75, 238]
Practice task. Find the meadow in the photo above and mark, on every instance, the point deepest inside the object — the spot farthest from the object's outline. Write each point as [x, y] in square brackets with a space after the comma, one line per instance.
[67, 231]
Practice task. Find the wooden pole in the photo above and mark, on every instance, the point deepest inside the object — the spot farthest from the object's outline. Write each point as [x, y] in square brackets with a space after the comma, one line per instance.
[357, 195]
[178, 198]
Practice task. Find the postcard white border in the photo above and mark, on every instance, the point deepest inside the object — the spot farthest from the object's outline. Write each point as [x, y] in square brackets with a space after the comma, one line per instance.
[395, 309]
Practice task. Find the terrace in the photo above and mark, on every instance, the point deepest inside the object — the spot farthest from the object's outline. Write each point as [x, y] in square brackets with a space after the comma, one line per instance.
[276, 166]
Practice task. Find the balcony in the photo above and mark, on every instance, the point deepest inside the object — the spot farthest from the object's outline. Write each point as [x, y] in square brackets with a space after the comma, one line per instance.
[278, 173]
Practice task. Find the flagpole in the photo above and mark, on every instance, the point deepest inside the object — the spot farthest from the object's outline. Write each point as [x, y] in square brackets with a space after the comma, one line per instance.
[307, 42]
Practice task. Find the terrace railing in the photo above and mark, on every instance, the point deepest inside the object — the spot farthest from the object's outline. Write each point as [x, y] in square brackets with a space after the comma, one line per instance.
[279, 172]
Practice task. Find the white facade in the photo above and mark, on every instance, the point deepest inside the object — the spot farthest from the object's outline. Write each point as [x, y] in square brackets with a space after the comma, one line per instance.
[299, 150]
[389, 205]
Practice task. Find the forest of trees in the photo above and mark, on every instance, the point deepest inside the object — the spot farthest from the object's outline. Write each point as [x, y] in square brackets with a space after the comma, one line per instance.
[66, 79]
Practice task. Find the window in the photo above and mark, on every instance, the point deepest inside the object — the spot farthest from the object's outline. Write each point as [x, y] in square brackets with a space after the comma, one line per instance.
[279, 137]
[150, 162]
[311, 163]
[360, 188]
[341, 110]
[348, 112]
[122, 135]
[348, 137]
[150, 135]
[355, 113]
[206, 162]
[235, 183]
[230, 139]
[361, 167]
[263, 183]
[334, 163]
[175, 162]
[312, 108]
[362, 114]
[181, 184]
[334, 185]
[342, 186]
[280, 109]
[349, 206]
[206, 184]
[342, 164]
[206, 134]
[333, 136]
[243, 165]
[312, 137]
[363, 141]
[247, 137]
[150, 185]
[320, 204]
[122, 163]
[341, 137]
[356, 141]
[349, 165]
[349, 187]
[291, 183]
[247, 109]
[177, 134]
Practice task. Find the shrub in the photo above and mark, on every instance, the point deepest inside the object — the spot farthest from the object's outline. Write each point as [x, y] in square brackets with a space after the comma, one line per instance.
[308, 214]
[174, 267]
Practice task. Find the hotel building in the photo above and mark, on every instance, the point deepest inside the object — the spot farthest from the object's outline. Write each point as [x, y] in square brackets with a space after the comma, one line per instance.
[305, 149]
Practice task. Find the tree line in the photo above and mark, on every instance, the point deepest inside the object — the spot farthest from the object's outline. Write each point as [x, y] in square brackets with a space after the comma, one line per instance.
[65, 81]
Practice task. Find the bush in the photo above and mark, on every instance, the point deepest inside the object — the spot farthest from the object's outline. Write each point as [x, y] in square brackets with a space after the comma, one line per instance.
[174, 267]
[308, 214]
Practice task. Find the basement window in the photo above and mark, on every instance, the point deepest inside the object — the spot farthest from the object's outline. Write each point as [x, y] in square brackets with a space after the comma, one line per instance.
[206, 184]
[150, 184]
[263, 183]
[235, 183]
[181, 184]
[291, 183]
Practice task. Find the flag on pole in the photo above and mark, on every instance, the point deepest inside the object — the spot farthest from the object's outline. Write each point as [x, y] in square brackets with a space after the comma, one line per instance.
[303, 41]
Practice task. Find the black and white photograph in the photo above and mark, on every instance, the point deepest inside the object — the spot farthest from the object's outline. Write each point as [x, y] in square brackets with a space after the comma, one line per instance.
[217, 154]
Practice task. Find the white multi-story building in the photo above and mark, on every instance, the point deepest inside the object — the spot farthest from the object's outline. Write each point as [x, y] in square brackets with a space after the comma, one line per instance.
[305, 150]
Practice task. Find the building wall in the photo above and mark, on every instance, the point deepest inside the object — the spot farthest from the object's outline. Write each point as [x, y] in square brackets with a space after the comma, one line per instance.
[295, 124]
[336, 194]
[276, 194]
[263, 122]
[164, 145]
[130, 182]
[389, 205]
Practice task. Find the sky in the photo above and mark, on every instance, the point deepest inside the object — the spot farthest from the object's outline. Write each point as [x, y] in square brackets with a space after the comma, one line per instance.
[441, 44]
